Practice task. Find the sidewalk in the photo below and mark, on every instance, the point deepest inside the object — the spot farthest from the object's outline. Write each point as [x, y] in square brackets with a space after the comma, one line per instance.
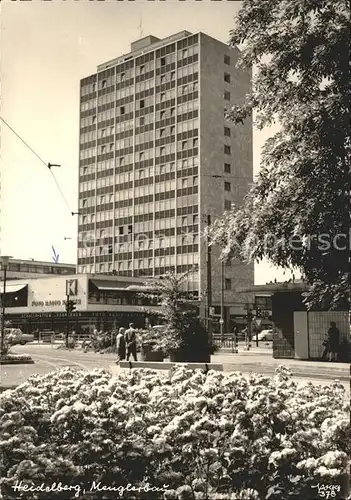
[262, 351]
[248, 361]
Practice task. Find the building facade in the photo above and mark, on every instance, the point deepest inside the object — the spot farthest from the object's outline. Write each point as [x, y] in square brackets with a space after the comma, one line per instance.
[102, 302]
[19, 268]
[157, 157]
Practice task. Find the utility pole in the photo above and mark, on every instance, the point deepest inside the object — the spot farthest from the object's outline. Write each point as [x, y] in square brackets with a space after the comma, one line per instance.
[249, 321]
[209, 280]
[3, 314]
[258, 320]
[67, 319]
[222, 302]
[4, 261]
[70, 307]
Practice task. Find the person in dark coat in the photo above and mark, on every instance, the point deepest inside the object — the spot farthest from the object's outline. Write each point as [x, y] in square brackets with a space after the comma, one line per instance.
[130, 338]
[331, 343]
[121, 344]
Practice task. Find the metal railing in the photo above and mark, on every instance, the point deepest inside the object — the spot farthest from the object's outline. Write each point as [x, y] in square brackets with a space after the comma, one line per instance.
[226, 341]
[50, 337]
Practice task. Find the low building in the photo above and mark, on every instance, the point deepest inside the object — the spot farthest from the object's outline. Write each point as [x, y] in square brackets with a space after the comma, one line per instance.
[102, 302]
[299, 333]
[19, 269]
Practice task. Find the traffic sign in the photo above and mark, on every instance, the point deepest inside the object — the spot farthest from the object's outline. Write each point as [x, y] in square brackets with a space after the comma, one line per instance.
[258, 322]
[221, 321]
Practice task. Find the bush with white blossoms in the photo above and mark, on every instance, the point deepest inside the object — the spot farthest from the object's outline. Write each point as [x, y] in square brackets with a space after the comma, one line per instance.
[206, 436]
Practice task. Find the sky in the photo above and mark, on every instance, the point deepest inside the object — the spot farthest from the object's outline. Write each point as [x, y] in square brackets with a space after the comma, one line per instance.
[47, 47]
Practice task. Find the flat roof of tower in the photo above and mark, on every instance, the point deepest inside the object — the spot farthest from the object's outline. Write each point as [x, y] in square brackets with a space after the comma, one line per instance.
[151, 46]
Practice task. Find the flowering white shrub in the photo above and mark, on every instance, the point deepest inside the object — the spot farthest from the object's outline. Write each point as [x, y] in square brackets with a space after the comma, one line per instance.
[206, 436]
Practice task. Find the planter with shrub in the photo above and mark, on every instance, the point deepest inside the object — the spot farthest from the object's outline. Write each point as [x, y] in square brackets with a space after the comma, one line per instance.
[150, 348]
[15, 359]
[183, 338]
[12, 358]
[148, 354]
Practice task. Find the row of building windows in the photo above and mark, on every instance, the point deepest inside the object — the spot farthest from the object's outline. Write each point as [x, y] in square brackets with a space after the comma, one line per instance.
[121, 95]
[120, 199]
[102, 116]
[158, 171]
[102, 100]
[175, 256]
[146, 203]
[188, 221]
[189, 184]
[139, 155]
[163, 117]
[100, 256]
[185, 205]
[128, 211]
[140, 86]
[140, 173]
[191, 284]
[91, 104]
[127, 109]
[38, 268]
[168, 246]
[128, 61]
[145, 85]
[179, 245]
[140, 138]
[187, 47]
[185, 221]
[106, 186]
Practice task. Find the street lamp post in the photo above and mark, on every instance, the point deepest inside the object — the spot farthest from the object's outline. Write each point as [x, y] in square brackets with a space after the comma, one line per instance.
[4, 259]
[222, 302]
[209, 281]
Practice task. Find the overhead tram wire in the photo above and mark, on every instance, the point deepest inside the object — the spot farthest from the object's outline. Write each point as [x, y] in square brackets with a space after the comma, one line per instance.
[48, 165]
[60, 190]
[24, 142]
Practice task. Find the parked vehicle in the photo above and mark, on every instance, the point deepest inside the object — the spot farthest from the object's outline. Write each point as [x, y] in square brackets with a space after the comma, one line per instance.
[265, 335]
[16, 336]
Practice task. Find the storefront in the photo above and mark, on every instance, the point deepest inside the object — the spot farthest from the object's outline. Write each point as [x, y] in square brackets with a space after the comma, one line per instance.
[101, 302]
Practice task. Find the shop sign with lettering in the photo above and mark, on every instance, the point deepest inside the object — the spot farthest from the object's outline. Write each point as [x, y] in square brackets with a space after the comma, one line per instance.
[52, 303]
[50, 315]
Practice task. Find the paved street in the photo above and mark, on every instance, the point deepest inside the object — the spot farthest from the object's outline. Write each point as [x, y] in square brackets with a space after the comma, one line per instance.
[48, 358]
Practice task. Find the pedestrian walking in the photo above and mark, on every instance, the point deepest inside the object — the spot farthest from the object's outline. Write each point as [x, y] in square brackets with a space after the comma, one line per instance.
[331, 343]
[121, 344]
[130, 338]
[235, 339]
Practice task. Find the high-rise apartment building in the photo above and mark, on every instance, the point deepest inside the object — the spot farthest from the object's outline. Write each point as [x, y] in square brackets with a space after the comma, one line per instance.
[157, 157]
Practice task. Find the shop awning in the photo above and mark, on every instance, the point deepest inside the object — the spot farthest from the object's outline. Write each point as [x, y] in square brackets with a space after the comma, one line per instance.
[12, 287]
[139, 288]
[110, 286]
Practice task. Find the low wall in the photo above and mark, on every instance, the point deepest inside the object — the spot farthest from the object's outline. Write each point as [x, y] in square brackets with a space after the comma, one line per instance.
[167, 365]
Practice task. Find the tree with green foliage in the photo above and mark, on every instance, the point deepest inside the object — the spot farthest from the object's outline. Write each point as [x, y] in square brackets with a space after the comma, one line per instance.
[297, 213]
[184, 335]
